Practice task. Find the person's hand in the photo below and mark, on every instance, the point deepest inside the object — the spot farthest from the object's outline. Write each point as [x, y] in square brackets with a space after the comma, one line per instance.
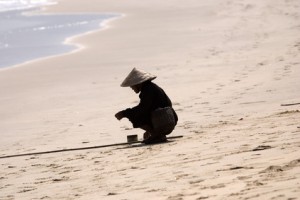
[119, 115]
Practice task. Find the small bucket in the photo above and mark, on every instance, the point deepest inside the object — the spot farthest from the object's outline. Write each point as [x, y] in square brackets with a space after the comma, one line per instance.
[132, 138]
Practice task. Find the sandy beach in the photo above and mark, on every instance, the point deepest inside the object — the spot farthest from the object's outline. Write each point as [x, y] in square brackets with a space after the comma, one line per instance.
[231, 69]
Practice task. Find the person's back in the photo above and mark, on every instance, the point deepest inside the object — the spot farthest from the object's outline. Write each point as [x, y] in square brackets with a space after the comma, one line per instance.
[160, 99]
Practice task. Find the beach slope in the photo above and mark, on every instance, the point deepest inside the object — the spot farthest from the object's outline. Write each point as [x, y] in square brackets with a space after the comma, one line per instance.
[231, 69]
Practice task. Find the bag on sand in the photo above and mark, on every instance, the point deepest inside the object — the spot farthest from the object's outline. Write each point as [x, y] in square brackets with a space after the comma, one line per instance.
[163, 120]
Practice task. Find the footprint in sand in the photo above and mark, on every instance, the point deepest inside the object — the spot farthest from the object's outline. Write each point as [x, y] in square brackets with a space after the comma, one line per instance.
[176, 197]
[244, 177]
[254, 183]
[64, 178]
[278, 169]
[27, 189]
[45, 197]
[221, 185]
[297, 46]
[188, 124]
[261, 147]
[195, 182]
[271, 169]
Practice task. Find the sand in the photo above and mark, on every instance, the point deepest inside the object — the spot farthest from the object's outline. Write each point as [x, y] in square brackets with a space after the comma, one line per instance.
[228, 67]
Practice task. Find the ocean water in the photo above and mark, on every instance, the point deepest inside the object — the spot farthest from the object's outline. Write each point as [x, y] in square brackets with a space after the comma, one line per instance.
[25, 36]
[6, 5]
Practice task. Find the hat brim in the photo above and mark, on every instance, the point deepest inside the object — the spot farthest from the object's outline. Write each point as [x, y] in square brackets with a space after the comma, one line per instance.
[136, 77]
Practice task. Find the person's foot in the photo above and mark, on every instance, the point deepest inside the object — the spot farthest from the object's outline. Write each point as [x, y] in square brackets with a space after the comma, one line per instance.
[155, 140]
[146, 135]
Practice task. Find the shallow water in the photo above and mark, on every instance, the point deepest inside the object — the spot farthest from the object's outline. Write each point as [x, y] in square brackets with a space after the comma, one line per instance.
[26, 37]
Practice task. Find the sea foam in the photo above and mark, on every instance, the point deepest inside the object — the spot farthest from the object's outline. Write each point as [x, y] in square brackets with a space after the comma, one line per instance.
[9, 5]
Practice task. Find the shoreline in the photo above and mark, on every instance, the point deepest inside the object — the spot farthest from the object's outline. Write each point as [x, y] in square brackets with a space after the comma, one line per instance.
[67, 41]
[215, 60]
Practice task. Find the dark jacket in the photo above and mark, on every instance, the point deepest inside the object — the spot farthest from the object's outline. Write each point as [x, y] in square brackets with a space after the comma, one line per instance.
[151, 98]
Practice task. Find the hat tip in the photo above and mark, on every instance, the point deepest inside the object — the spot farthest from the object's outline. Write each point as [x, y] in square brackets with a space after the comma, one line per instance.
[137, 76]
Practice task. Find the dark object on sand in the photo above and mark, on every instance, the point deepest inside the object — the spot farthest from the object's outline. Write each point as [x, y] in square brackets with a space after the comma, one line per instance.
[77, 149]
[289, 104]
[132, 138]
[262, 147]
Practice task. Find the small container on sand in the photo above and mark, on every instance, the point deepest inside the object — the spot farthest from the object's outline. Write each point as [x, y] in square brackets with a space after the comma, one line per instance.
[132, 138]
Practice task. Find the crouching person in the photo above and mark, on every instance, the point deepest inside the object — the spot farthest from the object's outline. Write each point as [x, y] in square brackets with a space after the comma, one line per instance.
[154, 113]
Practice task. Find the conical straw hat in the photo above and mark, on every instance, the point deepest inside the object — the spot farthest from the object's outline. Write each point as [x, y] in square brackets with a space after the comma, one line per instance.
[136, 77]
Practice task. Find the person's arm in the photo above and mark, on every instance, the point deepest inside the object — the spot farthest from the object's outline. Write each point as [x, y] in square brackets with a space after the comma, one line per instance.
[138, 111]
[120, 115]
[139, 114]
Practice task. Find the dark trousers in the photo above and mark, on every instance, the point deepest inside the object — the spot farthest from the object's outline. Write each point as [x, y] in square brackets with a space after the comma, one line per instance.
[151, 132]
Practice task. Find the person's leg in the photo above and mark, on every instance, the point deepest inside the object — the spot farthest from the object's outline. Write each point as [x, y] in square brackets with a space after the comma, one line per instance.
[148, 130]
[155, 139]
[151, 136]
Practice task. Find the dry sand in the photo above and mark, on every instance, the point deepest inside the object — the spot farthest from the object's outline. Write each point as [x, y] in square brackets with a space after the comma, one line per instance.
[227, 65]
